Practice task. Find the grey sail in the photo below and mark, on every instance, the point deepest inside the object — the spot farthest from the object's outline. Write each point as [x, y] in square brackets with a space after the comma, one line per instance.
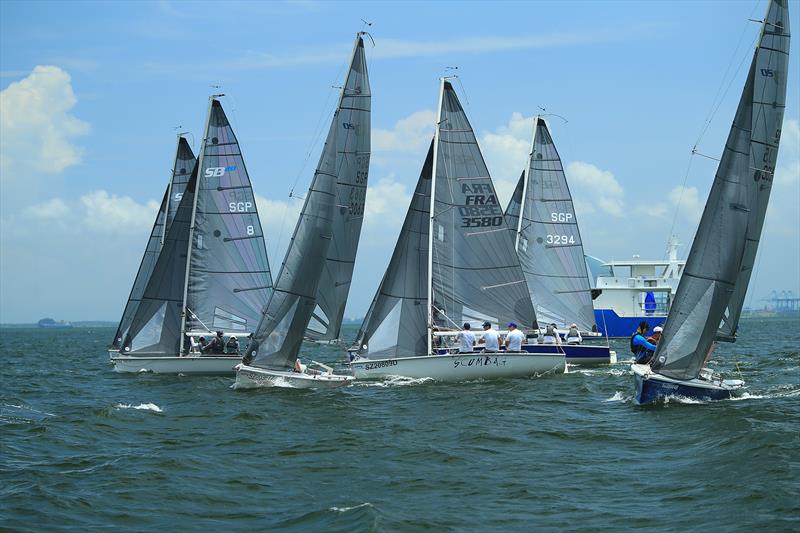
[185, 161]
[156, 325]
[475, 272]
[548, 240]
[769, 101]
[719, 251]
[397, 321]
[350, 134]
[229, 279]
[280, 333]
[182, 169]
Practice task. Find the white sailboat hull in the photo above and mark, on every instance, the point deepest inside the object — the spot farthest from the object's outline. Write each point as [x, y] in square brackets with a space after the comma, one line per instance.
[248, 377]
[652, 387]
[214, 365]
[462, 367]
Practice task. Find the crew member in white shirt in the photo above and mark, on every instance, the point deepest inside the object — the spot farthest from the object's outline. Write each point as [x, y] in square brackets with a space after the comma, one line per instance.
[490, 339]
[514, 338]
[466, 340]
[573, 335]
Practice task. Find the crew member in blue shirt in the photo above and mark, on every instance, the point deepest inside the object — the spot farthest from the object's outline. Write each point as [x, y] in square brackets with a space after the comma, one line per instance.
[642, 350]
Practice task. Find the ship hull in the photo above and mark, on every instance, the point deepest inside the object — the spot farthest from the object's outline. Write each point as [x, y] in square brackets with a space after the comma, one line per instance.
[610, 324]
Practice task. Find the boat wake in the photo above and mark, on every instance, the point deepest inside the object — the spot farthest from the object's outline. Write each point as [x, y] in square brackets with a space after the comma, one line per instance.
[394, 381]
[15, 414]
[619, 397]
[345, 509]
[141, 407]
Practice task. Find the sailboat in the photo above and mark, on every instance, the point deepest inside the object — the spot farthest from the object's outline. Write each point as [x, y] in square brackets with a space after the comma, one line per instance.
[550, 249]
[454, 262]
[711, 294]
[182, 168]
[352, 169]
[212, 273]
[272, 357]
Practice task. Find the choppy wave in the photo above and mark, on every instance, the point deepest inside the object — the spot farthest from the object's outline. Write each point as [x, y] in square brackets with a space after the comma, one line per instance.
[345, 509]
[619, 397]
[393, 381]
[141, 407]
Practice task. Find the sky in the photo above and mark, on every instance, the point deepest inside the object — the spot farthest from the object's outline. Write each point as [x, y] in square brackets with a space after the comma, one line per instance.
[93, 94]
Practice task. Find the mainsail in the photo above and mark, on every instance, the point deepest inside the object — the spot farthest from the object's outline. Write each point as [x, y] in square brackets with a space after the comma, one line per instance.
[547, 238]
[156, 325]
[350, 135]
[229, 279]
[726, 238]
[280, 333]
[770, 65]
[182, 168]
[475, 273]
[456, 239]
[396, 323]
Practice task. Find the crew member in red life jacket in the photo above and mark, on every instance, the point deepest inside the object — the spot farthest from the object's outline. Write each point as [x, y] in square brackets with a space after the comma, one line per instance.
[642, 350]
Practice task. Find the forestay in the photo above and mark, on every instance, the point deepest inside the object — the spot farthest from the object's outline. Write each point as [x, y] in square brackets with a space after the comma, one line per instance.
[718, 260]
[229, 277]
[475, 272]
[771, 69]
[350, 136]
[280, 333]
[156, 326]
[182, 169]
[547, 238]
[396, 323]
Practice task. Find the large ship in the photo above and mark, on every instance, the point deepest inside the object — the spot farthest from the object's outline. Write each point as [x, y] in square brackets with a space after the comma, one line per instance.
[49, 323]
[633, 290]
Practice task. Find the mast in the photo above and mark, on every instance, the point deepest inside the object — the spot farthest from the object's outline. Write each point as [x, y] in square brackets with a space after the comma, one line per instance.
[191, 224]
[432, 214]
[525, 184]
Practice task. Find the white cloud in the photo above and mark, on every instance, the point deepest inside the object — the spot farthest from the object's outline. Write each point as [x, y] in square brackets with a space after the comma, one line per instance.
[687, 202]
[386, 203]
[388, 48]
[409, 134]
[109, 213]
[54, 208]
[600, 185]
[36, 125]
[278, 219]
[506, 149]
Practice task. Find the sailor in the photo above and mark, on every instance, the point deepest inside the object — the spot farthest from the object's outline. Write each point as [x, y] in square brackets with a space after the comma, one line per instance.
[202, 343]
[573, 335]
[490, 339]
[215, 346]
[299, 367]
[551, 335]
[656, 336]
[641, 349]
[514, 338]
[466, 340]
[232, 346]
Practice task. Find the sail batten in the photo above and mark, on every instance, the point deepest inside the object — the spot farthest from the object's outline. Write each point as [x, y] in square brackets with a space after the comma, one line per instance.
[548, 240]
[349, 138]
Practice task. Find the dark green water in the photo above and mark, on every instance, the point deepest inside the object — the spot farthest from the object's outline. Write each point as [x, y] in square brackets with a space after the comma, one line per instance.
[84, 448]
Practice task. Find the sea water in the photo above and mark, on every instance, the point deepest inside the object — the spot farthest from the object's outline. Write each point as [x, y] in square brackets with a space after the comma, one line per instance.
[84, 448]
